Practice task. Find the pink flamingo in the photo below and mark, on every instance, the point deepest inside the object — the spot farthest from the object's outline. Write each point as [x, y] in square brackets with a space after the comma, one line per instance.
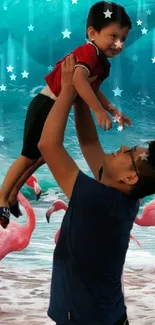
[33, 183]
[61, 205]
[148, 216]
[16, 237]
[56, 206]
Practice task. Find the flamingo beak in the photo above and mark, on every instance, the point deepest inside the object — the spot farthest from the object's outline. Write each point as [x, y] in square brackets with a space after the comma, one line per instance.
[38, 195]
[37, 190]
[47, 218]
[49, 212]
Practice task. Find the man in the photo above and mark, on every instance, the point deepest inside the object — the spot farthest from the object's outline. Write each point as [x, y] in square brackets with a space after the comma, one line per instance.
[90, 254]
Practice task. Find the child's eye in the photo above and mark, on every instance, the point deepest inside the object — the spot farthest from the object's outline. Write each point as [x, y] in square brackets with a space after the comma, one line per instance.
[114, 36]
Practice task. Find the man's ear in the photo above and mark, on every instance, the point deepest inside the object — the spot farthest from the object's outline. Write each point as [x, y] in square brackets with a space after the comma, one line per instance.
[130, 179]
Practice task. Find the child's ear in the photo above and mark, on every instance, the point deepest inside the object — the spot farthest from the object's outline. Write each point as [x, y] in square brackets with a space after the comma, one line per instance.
[91, 33]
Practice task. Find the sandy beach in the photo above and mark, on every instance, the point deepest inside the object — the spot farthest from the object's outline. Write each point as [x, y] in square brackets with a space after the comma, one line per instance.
[24, 296]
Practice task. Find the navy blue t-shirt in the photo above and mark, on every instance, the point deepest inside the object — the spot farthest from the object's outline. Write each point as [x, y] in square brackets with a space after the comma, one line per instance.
[90, 254]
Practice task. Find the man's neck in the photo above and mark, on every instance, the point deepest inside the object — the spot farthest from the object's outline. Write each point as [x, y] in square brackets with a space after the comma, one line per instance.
[122, 187]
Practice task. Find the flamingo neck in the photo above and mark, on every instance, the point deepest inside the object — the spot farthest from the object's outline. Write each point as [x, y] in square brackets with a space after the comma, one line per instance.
[138, 221]
[31, 220]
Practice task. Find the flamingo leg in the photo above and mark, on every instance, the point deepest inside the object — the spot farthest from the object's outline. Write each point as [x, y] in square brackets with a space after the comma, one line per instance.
[30, 170]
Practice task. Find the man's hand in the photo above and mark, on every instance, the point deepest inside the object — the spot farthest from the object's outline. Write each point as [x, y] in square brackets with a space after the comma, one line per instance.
[67, 68]
[67, 71]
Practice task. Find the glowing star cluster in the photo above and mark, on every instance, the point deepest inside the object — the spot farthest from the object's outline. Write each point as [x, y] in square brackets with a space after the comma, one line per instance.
[66, 34]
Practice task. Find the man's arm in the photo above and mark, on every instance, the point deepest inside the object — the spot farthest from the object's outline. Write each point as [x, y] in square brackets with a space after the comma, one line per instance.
[62, 166]
[88, 138]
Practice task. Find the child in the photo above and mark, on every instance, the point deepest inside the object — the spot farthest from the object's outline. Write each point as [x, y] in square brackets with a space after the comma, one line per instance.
[108, 26]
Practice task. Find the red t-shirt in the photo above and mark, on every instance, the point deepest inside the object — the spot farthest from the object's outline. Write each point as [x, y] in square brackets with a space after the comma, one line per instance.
[88, 56]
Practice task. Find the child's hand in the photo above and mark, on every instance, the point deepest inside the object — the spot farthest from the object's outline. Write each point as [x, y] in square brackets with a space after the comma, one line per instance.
[119, 117]
[103, 120]
[125, 119]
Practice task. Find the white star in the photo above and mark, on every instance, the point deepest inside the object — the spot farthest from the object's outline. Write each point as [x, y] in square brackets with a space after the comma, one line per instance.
[31, 28]
[50, 68]
[148, 12]
[66, 33]
[3, 88]
[117, 92]
[120, 128]
[25, 74]
[117, 118]
[13, 77]
[9, 68]
[153, 60]
[144, 156]
[144, 31]
[135, 58]
[107, 14]
[2, 138]
[74, 2]
[5, 8]
[139, 22]
[119, 44]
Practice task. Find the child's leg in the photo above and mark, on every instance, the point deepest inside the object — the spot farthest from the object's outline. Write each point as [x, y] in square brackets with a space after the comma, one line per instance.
[37, 113]
[13, 175]
[23, 179]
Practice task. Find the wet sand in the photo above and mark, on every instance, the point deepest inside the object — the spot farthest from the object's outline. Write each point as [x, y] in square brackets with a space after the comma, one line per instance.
[24, 296]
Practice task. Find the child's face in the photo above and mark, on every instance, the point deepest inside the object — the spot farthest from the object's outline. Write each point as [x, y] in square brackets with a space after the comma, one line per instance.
[110, 40]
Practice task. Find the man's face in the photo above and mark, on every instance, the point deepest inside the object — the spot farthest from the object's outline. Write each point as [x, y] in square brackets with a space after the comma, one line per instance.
[122, 164]
[110, 40]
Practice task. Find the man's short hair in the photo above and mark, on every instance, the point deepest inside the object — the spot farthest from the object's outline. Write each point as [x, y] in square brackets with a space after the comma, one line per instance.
[146, 170]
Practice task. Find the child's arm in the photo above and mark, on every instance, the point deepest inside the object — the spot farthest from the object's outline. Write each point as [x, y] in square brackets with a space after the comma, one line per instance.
[83, 88]
[106, 104]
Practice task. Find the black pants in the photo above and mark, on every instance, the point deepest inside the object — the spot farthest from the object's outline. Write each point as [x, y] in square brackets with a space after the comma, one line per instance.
[122, 321]
[37, 113]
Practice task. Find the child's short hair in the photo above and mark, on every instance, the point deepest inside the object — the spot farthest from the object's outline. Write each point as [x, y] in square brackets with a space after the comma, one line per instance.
[96, 17]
